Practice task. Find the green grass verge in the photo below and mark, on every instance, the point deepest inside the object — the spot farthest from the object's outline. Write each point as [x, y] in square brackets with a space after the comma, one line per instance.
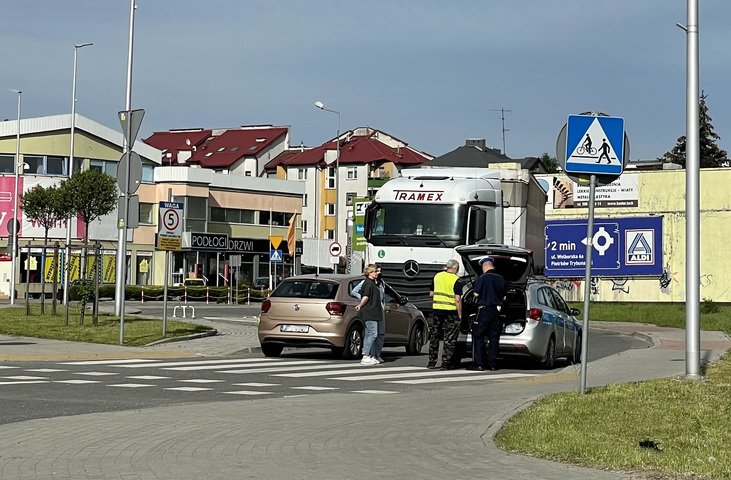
[713, 316]
[137, 331]
[603, 428]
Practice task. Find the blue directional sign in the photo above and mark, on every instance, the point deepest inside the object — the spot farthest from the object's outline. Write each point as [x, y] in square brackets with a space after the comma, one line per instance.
[275, 256]
[622, 247]
[594, 145]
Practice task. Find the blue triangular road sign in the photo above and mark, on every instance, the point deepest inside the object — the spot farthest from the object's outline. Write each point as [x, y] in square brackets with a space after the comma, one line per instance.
[594, 145]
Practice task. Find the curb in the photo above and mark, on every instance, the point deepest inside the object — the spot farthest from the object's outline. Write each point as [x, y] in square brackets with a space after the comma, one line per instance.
[497, 425]
[209, 333]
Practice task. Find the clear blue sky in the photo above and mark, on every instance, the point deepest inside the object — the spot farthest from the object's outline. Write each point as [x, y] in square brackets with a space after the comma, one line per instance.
[426, 71]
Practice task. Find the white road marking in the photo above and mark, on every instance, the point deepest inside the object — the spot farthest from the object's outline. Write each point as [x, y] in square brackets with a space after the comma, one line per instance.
[248, 392]
[256, 384]
[188, 389]
[325, 373]
[23, 382]
[428, 373]
[131, 385]
[147, 377]
[25, 377]
[245, 365]
[110, 362]
[201, 380]
[314, 388]
[485, 378]
[290, 369]
[222, 363]
[76, 382]
[376, 392]
[45, 370]
[6, 367]
[95, 374]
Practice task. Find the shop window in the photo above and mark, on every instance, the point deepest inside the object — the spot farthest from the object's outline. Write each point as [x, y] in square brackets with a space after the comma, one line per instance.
[146, 213]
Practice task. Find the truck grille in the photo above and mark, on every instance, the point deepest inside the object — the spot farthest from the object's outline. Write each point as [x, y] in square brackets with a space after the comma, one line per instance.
[416, 287]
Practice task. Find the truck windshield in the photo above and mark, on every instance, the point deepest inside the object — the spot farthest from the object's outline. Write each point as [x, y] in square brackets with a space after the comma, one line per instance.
[415, 224]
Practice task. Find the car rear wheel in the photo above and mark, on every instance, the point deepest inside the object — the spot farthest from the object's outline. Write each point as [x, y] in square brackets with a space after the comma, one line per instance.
[272, 349]
[353, 344]
[549, 361]
[576, 358]
[417, 339]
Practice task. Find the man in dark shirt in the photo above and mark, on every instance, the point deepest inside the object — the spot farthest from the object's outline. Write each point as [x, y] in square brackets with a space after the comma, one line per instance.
[490, 293]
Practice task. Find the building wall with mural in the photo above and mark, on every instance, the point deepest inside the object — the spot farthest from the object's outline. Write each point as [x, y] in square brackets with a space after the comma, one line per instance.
[650, 194]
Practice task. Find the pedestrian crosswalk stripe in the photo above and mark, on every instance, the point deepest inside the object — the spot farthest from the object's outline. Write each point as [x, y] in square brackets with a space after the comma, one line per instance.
[484, 377]
[372, 392]
[290, 369]
[45, 370]
[325, 373]
[198, 362]
[25, 377]
[76, 382]
[147, 377]
[428, 373]
[6, 367]
[95, 374]
[110, 362]
[314, 388]
[132, 385]
[248, 392]
[201, 380]
[23, 382]
[256, 384]
[243, 365]
[188, 389]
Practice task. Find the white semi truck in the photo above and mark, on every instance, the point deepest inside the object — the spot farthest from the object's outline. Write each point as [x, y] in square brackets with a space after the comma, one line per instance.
[416, 220]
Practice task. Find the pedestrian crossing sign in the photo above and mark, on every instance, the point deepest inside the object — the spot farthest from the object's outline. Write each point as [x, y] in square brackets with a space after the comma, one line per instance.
[594, 145]
[275, 256]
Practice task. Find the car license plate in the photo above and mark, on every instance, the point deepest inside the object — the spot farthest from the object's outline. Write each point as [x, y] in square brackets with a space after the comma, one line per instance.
[294, 328]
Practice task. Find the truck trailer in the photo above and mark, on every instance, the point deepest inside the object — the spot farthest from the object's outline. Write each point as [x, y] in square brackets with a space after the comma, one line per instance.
[416, 220]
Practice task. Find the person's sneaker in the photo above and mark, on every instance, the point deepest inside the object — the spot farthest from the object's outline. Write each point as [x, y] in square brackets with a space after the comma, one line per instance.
[380, 360]
[432, 366]
[367, 360]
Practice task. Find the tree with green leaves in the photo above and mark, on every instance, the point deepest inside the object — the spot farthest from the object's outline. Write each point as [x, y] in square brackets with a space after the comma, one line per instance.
[550, 163]
[711, 155]
[89, 195]
[46, 207]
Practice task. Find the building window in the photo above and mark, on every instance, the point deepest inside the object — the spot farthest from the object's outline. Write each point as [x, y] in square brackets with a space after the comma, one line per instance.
[278, 219]
[301, 174]
[330, 177]
[304, 200]
[196, 207]
[330, 234]
[329, 209]
[148, 173]
[55, 165]
[218, 214]
[110, 168]
[34, 164]
[233, 215]
[247, 216]
[304, 227]
[352, 173]
[146, 210]
[6, 163]
[349, 197]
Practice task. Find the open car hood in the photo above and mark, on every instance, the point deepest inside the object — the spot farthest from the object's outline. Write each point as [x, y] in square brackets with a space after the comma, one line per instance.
[515, 264]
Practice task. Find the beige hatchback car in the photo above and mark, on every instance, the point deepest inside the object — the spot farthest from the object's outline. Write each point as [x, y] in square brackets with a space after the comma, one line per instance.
[319, 311]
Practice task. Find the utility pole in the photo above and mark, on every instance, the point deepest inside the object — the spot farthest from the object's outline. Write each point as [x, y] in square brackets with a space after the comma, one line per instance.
[502, 118]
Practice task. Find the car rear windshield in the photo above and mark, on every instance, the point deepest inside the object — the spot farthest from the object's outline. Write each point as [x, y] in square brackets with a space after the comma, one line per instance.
[306, 289]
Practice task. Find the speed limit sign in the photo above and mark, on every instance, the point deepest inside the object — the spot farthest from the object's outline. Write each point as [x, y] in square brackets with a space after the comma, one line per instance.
[335, 249]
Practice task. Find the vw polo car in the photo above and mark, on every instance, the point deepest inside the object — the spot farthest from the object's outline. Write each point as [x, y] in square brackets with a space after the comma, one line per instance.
[319, 311]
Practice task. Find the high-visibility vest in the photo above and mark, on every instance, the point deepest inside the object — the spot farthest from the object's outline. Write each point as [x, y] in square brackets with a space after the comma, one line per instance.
[444, 291]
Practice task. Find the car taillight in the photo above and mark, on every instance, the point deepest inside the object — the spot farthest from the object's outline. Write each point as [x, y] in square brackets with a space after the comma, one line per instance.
[335, 308]
[266, 305]
[535, 314]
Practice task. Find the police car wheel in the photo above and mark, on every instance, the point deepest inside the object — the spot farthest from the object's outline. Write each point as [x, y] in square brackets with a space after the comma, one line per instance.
[549, 361]
[417, 339]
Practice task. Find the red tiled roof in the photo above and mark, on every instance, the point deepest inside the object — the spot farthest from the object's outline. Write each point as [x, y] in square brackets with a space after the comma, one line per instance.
[359, 150]
[173, 141]
[230, 146]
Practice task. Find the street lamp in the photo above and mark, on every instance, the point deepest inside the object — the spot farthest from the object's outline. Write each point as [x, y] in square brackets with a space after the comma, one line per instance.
[321, 106]
[15, 223]
[67, 253]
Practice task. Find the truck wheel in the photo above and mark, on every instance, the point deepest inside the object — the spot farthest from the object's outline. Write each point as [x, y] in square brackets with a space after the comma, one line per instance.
[271, 349]
[417, 339]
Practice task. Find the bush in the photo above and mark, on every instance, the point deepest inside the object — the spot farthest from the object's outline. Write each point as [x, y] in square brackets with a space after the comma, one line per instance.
[709, 306]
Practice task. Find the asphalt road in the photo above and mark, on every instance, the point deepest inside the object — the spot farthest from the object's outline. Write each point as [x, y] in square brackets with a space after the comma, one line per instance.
[50, 389]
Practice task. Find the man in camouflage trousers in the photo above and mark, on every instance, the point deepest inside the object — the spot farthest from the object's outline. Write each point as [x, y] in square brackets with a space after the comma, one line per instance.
[446, 292]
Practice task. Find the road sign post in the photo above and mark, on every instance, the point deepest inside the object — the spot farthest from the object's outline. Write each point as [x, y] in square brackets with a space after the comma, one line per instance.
[588, 146]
